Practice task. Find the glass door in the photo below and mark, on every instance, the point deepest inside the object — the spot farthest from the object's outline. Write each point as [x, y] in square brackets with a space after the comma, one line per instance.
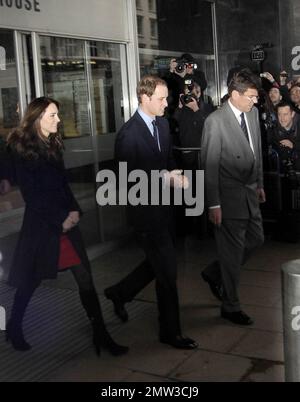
[108, 89]
[64, 78]
[11, 204]
[87, 79]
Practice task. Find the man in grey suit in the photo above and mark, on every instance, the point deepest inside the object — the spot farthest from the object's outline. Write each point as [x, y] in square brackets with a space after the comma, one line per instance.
[232, 161]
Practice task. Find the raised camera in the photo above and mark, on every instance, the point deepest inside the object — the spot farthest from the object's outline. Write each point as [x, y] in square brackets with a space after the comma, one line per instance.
[188, 95]
[182, 64]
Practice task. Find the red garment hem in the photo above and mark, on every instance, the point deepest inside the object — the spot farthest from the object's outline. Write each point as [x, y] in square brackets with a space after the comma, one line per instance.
[67, 255]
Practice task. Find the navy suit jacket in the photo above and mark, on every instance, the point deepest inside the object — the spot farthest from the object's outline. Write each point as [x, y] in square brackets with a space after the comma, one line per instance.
[136, 146]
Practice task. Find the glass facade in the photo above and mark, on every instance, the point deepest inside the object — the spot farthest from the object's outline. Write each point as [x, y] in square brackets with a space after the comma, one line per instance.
[241, 30]
[11, 204]
[166, 30]
[220, 34]
[8, 84]
[64, 79]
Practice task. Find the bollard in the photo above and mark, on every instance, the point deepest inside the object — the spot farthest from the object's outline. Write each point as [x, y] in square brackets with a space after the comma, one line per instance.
[290, 275]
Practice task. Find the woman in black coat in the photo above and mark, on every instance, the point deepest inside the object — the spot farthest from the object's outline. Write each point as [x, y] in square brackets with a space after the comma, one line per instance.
[50, 238]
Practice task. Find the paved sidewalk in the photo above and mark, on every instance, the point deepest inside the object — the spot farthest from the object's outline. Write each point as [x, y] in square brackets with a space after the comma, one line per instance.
[59, 332]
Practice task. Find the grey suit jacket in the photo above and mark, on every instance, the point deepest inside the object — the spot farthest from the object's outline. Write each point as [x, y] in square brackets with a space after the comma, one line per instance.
[232, 171]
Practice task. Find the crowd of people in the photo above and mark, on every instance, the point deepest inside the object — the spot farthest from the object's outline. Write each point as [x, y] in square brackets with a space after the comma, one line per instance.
[234, 140]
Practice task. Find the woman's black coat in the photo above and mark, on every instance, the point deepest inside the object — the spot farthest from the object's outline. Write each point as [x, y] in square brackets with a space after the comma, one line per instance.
[48, 201]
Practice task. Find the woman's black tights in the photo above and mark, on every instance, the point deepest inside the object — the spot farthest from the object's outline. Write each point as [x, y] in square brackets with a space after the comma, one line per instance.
[21, 300]
[89, 300]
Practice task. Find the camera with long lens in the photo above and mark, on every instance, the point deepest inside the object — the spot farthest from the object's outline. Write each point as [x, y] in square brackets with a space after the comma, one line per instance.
[188, 95]
[182, 63]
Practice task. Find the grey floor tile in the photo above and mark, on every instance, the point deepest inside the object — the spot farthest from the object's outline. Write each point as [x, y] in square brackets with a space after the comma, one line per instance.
[260, 296]
[262, 279]
[147, 354]
[209, 367]
[214, 337]
[266, 371]
[261, 345]
[265, 318]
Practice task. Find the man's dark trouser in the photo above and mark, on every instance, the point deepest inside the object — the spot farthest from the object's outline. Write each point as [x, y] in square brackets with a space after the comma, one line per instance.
[236, 239]
[160, 264]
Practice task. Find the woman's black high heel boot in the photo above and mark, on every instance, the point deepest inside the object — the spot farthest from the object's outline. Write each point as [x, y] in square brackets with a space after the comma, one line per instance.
[14, 330]
[101, 337]
[14, 334]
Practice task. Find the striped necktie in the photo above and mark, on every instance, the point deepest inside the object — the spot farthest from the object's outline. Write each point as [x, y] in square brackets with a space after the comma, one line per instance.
[244, 126]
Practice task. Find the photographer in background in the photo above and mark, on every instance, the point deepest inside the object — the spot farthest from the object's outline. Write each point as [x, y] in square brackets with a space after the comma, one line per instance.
[286, 141]
[275, 95]
[180, 70]
[295, 96]
[190, 115]
[268, 122]
[286, 138]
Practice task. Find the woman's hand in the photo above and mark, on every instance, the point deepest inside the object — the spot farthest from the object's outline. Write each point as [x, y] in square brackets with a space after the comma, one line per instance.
[70, 221]
[67, 224]
[74, 215]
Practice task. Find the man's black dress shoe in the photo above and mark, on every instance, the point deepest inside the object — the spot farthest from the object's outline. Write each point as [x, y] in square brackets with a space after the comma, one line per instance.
[215, 289]
[237, 317]
[119, 308]
[179, 342]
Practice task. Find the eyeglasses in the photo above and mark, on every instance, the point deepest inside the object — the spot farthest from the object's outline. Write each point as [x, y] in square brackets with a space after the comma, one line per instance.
[252, 98]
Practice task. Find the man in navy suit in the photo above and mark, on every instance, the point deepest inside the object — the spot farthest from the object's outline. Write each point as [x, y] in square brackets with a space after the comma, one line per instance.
[144, 143]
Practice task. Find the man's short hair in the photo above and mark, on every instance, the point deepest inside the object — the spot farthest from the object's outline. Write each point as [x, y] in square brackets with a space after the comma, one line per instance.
[243, 80]
[147, 85]
[296, 85]
[284, 104]
[274, 87]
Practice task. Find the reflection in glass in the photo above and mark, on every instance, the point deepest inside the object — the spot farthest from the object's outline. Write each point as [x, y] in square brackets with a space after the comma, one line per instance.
[64, 79]
[11, 204]
[168, 29]
[8, 84]
[27, 65]
[107, 112]
[106, 86]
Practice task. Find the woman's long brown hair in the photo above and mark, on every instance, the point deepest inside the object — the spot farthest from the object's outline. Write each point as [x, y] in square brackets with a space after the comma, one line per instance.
[28, 140]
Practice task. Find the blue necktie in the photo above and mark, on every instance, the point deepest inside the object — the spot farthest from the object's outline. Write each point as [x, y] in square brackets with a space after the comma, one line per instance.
[244, 126]
[155, 133]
